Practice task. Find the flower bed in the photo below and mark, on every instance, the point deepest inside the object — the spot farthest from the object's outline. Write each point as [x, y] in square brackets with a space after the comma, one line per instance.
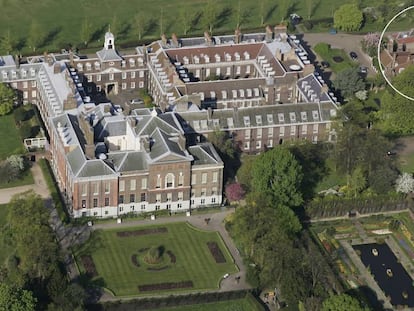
[126, 234]
[170, 254]
[216, 252]
[158, 268]
[134, 259]
[89, 265]
[164, 286]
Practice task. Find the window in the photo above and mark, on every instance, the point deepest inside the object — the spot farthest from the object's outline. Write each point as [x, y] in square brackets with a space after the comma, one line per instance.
[282, 131]
[315, 128]
[142, 207]
[228, 71]
[107, 187]
[204, 178]
[95, 202]
[270, 132]
[141, 84]
[143, 197]
[88, 66]
[34, 93]
[169, 181]
[25, 84]
[132, 207]
[111, 76]
[203, 201]
[122, 185]
[247, 134]
[106, 201]
[124, 86]
[25, 95]
[270, 143]
[158, 185]
[259, 133]
[181, 180]
[214, 191]
[131, 198]
[292, 130]
[83, 203]
[304, 129]
[169, 197]
[95, 186]
[203, 192]
[157, 207]
[213, 200]
[246, 145]
[132, 85]
[121, 208]
[168, 206]
[98, 78]
[133, 74]
[179, 205]
[158, 197]
[193, 179]
[247, 69]
[144, 183]
[124, 75]
[121, 199]
[258, 144]
[218, 71]
[215, 176]
[180, 196]
[84, 189]
[141, 74]
[132, 184]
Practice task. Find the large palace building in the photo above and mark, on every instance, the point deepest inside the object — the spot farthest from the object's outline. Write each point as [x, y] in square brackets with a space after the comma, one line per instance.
[110, 159]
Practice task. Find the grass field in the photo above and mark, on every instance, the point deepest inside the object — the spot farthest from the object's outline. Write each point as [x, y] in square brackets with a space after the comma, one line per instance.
[326, 53]
[9, 137]
[25, 179]
[59, 22]
[6, 250]
[112, 256]
[248, 303]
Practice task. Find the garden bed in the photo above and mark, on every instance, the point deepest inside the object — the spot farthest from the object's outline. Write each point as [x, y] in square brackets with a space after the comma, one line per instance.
[89, 265]
[127, 234]
[134, 259]
[170, 254]
[216, 252]
[165, 286]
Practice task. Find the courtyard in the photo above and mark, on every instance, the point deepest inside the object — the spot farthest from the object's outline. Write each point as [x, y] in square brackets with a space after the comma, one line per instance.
[155, 259]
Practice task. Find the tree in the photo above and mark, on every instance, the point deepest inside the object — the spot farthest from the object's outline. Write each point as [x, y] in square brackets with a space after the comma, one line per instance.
[244, 173]
[210, 14]
[284, 7]
[16, 299]
[262, 11]
[7, 97]
[348, 82]
[35, 37]
[241, 15]
[20, 115]
[311, 5]
[357, 181]
[140, 25]
[348, 17]
[396, 113]
[234, 192]
[405, 183]
[342, 302]
[86, 31]
[277, 173]
[7, 43]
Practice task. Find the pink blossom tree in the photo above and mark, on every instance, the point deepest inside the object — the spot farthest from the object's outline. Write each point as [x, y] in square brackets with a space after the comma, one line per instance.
[234, 192]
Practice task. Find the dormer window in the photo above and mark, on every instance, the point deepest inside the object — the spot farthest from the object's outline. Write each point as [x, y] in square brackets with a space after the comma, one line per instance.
[79, 66]
[24, 73]
[140, 61]
[218, 58]
[269, 119]
[281, 117]
[304, 116]
[97, 65]
[132, 62]
[292, 117]
[246, 55]
[196, 60]
[259, 120]
[228, 57]
[88, 66]
[315, 115]
[32, 72]
[206, 59]
[246, 120]
[237, 56]
[4, 73]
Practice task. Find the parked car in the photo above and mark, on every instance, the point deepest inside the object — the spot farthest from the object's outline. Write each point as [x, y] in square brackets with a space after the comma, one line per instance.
[363, 69]
[325, 64]
[226, 276]
[136, 101]
[353, 55]
[332, 31]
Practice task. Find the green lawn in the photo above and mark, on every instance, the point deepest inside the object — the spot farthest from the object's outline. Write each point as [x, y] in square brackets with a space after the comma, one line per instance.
[112, 256]
[326, 53]
[6, 250]
[11, 142]
[25, 179]
[248, 303]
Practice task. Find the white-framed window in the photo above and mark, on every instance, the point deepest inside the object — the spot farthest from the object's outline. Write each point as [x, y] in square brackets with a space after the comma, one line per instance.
[88, 66]
[122, 185]
[270, 143]
[228, 71]
[282, 131]
[259, 133]
[158, 197]
[132, 85]
[204, 178]
[84, 189]
[140, 61]
[158, 185]
[124, 75]
[180, 196]
[218, 71]
[169, 180]
[34, 83]
[25, 84]
[25, 95]
[98, 77]
[34, 94]
[95, 187]
[181, 179]
[144, 183]
[247, 69]
[270, 132]
[246, 145]
[132, 185]
[141, 74]
[247, 134]
[193, 179]
[292, 130]
[203, 192]
[215, 176]
[133, 74]
[315, 128]
[169, 197]
[258, 144]
[107, 186]
[111, 76]
[141, 84]
[304, 129]
[124, 86]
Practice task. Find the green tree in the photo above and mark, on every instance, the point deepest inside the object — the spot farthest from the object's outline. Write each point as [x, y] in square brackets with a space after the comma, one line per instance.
[187, 19]
[141, 23]
[262, 11]
[342, 302]
[284, 7]
[210, 15]
[244, 173]
[16, 299]
[348, 82]
[277, 173]
[7, 44]
[86, 31]
[241, 15]
[7, 97]
[35, 36]
[357, 181]
[348, 17]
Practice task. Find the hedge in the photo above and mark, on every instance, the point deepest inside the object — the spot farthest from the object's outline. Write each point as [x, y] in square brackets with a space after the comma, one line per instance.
[54, 191]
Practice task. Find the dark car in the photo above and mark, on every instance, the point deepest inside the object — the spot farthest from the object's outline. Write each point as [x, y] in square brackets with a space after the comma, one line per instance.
[325, 64]
[363, 69]
[353, 55]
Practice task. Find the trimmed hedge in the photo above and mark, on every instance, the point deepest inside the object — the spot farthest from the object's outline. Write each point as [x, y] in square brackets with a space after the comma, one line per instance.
[54, 191]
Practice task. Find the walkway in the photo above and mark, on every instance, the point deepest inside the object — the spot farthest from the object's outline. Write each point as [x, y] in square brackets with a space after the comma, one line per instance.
[216, 223]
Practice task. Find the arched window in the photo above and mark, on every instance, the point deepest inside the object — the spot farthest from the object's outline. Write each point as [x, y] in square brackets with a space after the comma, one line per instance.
[169, 180]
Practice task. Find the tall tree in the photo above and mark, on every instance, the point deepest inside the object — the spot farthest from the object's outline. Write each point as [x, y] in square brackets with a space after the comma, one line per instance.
[86, 31]
[262, 11]
[277, 173]
[342, 302]
[348, 82]
[7, 44]
[241, 15]
[7, 97]
[348, 17]
[284, 7]
[140, 24]
[187, 19]
[210, 14]
[16, 299]
[35, 37]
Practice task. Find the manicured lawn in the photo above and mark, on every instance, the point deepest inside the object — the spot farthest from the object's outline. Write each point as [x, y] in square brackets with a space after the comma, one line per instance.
[25, 179]
[326, 53]
[6, 250]
[245, 304]
[112, 256]
[11, 142]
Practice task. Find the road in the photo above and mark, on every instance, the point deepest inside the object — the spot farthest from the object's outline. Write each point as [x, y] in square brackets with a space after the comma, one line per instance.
[346, 42]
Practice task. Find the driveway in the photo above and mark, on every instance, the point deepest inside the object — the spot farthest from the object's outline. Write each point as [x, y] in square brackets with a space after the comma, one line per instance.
[346, 42]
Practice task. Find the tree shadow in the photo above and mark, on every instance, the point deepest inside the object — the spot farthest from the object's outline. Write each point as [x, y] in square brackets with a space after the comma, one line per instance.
[99, 32]
[152, 24]
[270, 13]
[51, 36]
[124, 30]
[20, 44]
[223, 16]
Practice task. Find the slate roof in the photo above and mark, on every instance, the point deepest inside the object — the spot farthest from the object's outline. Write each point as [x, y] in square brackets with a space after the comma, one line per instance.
[76, 160]
[94, 168]
[163, 145]
[107, 55]
[312, 86]
[110, 126]
[204, 154]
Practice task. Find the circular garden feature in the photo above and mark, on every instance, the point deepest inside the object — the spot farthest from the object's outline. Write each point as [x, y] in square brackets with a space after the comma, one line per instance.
[337, 59]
